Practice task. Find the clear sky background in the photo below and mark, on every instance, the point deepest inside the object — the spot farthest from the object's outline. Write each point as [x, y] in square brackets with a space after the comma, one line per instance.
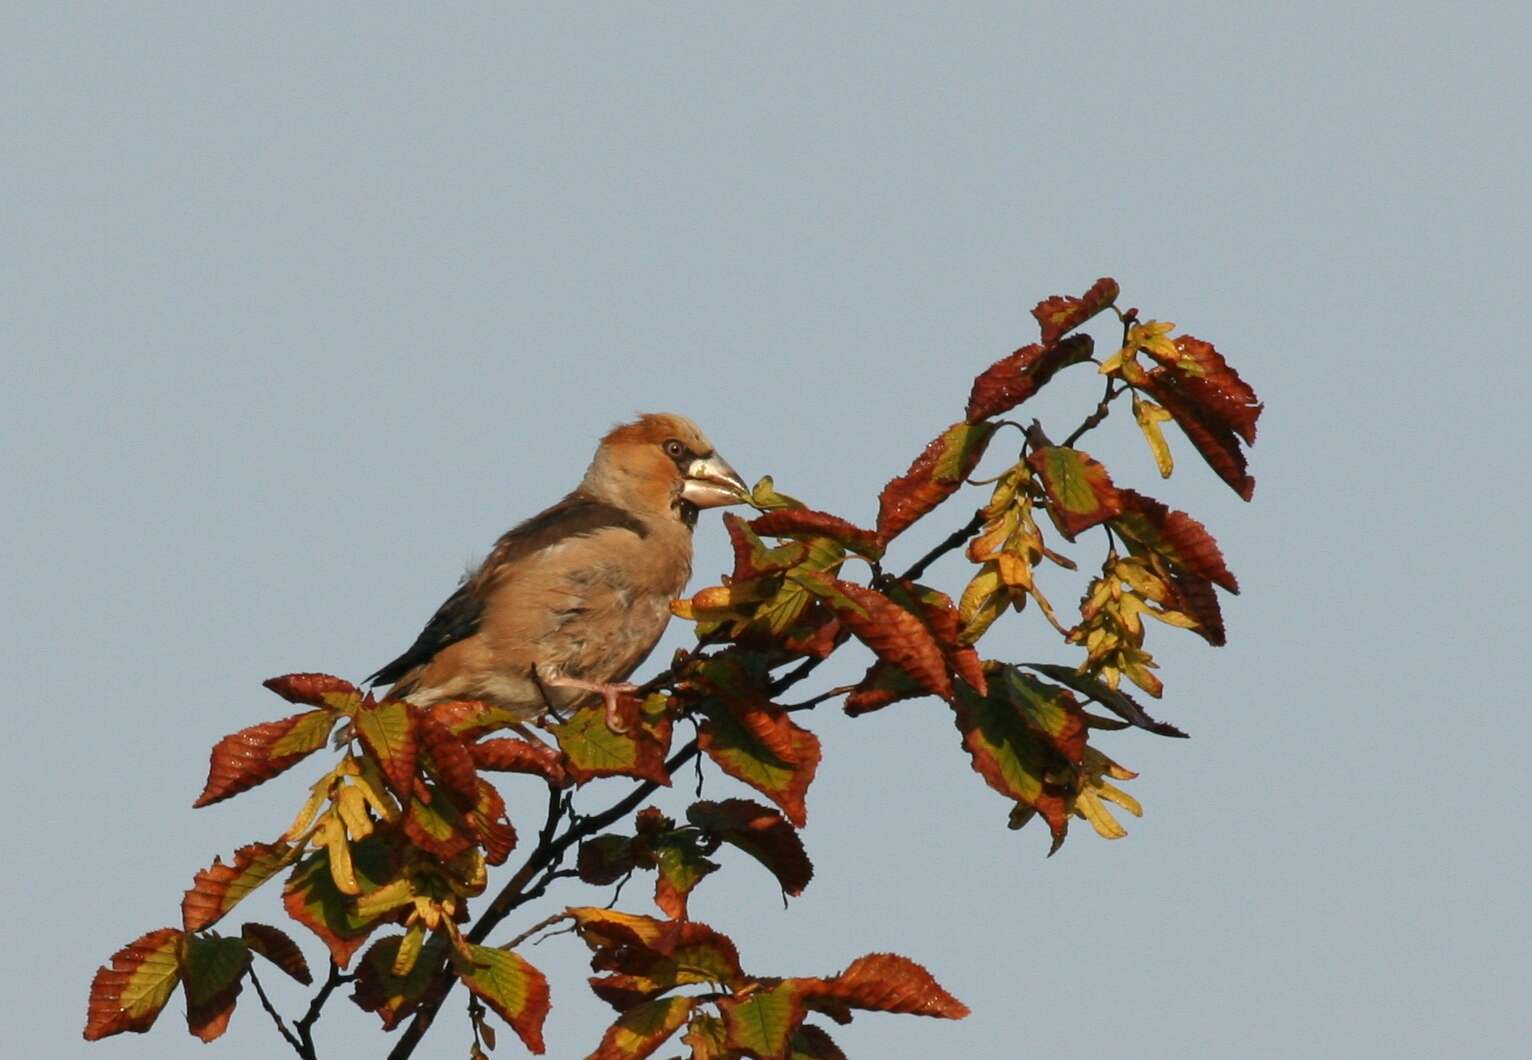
[305, 304]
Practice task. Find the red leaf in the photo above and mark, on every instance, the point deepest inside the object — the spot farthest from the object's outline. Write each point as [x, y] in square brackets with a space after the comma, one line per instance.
[436, 826]
[894, 635]
[605, 859]
[1016, 377]
[394, 998]
[751, 556]
[1063, 313]
[934, 476]
[488, 820]
[1195, 597]
[1180, 539]
[1011, 757]
[514, 755]
[129, 994]
[1079, 489]
[1209, 380]
[253, 756]
[315, 690]
[277, 947]
[760, 832]
[469, 719]
[219, 887]
[806, 523]
[1205, 427]
[454, 765]
[884, 683]
[935, 609]
[759, 744]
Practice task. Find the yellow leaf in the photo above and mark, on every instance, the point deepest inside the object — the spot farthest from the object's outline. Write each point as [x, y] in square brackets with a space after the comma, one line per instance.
[331, 833]
[1149, 417]
[351, 807]
[409, 949]
[1154, 336]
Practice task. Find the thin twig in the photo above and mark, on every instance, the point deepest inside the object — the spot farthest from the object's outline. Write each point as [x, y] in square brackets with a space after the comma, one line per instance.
[814, 701]
[306, 1024]
[545, 922]
[1103, 407]
[948, 543]
[276, 1017]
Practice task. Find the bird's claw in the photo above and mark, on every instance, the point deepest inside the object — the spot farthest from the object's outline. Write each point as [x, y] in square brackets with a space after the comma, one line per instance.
[611, 695]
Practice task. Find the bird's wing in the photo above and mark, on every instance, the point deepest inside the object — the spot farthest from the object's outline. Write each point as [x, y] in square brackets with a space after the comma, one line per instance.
[460, 616]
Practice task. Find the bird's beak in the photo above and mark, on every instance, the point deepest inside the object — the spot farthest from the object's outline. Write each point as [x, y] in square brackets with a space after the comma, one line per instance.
[712, 483]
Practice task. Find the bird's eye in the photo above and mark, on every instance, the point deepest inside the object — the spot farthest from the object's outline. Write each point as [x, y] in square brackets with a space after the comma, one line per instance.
[675, 449]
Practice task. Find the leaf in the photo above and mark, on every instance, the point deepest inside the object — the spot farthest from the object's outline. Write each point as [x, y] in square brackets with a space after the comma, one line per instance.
[1208, 379]
[388, 735]
[681, 868]
[253, 756]
[642, 1029]
[1079, 488]
[812, 1043]
[591, 749]
[1194, 597]
[934, 476]
[488, 821]
[1180, 539]
[1117, 701]
[1016, 377]
[651, 955]
[1205, 427]
[395, 997]
[510, 985]
[762, 833]
[884, 683]
[764, 496]
[219, 887]
[887, 982]
[757, 743]
[514, 755]
[277, 947]
[605, 859]
[469, 719]
[1149, 417]
[211, 971]
[1050, 711]
[436, 826]
[751, 556]
[1095, 792]
[452, 763]
[804, 523]
[894, 634]
[1010, 756]
[312, 898]
[317, 690]
[934, 609]
[761, 1023]
[1061, 314]
[129, 994]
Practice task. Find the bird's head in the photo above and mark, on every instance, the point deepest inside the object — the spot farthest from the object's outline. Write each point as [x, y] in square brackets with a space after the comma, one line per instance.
[662, 462]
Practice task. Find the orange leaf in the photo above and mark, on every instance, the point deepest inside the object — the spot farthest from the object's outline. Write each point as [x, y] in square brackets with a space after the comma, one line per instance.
[1015, 378]
[1012, 758]
[887, 982]
[1209, 380]
[934, 608]
[488, 820]
[934, 476]
[253, 756]
[129, 994]
[1079, 489]
[218, 888]
[1063, 313]
[436, 826]
[759, 744]
[514, 755]
[806, 523]
[312, 898]
[751, 556]
[760, 832]
[469, 719]
[277, 947]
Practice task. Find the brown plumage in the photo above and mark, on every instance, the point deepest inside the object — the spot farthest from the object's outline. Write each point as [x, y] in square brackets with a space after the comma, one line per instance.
[570, 602]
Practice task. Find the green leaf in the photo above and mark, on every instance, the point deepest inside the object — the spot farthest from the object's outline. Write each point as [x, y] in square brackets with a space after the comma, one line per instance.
[511, 986]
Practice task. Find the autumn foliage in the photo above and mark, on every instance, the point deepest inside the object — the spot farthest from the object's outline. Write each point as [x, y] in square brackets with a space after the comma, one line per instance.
[389, 860]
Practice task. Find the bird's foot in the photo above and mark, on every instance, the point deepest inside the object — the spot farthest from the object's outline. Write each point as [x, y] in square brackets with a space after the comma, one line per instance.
[611, 695]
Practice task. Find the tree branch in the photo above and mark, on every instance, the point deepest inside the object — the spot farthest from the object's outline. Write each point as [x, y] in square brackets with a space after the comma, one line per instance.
[276, 1017]
[316, 1006]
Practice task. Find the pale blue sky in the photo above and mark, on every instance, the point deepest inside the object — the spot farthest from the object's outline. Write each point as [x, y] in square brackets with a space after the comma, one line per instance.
[305, 304]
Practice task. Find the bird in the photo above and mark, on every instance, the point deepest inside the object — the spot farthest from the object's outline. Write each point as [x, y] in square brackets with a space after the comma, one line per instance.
[571, 601]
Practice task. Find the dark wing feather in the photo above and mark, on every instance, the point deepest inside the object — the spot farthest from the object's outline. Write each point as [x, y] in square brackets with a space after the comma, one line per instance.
[458, 618]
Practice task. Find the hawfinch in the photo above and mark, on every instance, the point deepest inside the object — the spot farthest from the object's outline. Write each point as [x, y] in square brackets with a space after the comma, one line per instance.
[570, 602]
